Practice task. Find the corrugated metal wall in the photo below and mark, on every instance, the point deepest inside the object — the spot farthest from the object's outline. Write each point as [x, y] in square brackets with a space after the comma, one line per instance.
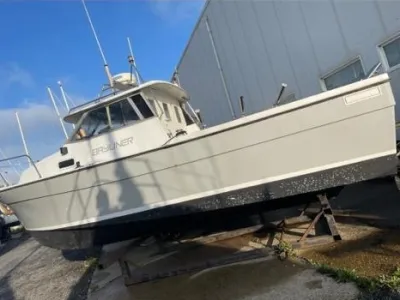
[261, 44]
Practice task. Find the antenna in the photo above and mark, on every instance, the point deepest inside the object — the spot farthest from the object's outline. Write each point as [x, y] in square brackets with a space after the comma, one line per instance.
[63, 95]
[106, 68]
[64, 98]
[241, 103]
[69, 98]
[22, 137]
[283, 86]
[175, 78]
[57, 112]
[132, 62]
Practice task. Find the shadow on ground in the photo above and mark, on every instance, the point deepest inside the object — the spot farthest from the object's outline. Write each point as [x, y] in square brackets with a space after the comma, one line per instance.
[13, 243]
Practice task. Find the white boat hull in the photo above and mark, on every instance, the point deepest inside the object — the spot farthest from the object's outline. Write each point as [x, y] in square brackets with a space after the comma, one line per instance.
[325, 141]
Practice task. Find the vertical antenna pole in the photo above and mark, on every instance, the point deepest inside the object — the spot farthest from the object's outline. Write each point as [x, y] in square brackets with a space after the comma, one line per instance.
[106, 68]
[176, 77]
[63, 95]
[64, 98]
[221, 73]
[57, 112]
[283, 87]
[134, 61]
[22, 136]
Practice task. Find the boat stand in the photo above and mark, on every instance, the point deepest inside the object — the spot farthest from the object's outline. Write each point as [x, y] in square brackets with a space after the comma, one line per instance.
[154, 258]
[323, 223]
[150, 260]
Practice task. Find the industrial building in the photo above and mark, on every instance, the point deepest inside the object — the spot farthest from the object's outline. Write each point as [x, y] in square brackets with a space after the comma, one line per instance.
[249, 48]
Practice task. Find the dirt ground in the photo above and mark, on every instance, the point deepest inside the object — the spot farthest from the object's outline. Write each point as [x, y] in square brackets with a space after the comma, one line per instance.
[370, 252]
[369, 222]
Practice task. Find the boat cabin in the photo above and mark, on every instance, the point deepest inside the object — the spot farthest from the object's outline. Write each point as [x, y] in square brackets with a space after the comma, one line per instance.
[139, 119]
[154, 100]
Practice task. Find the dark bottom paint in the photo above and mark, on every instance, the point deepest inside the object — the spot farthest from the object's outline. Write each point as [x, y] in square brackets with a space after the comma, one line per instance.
[205, 212]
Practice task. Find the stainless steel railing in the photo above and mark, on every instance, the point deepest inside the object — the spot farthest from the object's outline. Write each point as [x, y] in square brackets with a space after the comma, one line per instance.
[21, 156]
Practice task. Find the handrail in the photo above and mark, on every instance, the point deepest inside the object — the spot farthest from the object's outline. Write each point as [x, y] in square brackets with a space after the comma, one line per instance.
[27, 156]
[4, 179]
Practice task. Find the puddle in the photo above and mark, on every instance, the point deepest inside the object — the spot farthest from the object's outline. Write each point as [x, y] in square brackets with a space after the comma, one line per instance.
[314, 284]
[259, 277]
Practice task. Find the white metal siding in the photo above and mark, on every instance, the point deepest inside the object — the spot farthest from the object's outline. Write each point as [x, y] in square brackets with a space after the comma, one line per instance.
[262, 44]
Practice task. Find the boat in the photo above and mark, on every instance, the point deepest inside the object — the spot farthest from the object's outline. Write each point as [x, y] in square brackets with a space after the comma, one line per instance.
[140, 158]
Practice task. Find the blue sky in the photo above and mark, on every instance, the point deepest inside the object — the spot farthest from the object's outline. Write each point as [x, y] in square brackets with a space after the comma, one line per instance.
[42, 42]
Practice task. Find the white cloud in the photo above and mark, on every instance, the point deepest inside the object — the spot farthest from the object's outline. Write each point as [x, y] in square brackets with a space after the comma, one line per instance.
[13, 74]
[41, 128]
[176, 11]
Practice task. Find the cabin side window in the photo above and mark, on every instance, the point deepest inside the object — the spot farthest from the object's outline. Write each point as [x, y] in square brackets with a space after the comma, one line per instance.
[152, 104]
[95, 122]
[142, 106]
[166, 111]
[122, 113]
[177, 114]
[188, 119]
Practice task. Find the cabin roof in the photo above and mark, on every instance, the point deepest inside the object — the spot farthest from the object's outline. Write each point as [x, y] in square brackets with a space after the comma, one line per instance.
[164, 87]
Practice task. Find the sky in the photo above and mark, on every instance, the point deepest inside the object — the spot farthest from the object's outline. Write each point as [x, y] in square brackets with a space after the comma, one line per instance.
[44, 41]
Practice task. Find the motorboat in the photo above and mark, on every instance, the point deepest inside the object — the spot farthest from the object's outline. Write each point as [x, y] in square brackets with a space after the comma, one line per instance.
[140, 157]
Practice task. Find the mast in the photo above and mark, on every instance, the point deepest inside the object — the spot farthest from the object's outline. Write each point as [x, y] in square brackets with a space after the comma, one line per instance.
[22, 136]
[57, 112]
[63, 95]
[175, 78]
[106, 68]
[64, 98]
[137, 75]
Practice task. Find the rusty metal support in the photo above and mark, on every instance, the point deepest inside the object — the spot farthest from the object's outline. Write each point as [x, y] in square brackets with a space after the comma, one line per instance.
[323, 223]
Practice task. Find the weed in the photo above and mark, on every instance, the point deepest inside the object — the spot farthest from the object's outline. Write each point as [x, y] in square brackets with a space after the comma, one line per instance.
[370, 284]
[91, 262]
[391, 281]
[346, 275]
[284, 249]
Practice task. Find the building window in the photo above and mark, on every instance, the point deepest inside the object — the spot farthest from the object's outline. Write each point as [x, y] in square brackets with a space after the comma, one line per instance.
[391, 52]
[347, 74]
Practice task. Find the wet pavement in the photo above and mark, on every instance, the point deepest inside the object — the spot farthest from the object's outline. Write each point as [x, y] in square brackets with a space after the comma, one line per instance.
[268, 278]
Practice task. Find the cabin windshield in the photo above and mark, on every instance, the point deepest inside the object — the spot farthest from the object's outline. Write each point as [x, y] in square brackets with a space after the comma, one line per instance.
[112, 116]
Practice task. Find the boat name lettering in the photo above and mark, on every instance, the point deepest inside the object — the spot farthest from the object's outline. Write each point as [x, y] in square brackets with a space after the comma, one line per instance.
[112, 146]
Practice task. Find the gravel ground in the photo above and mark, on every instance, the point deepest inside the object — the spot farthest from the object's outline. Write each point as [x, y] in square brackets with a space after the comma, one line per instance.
[30, 271]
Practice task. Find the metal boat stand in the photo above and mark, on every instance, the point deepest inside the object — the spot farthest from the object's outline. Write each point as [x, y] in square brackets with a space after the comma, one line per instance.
[154, 258]
[148, 260]
[323, 223]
